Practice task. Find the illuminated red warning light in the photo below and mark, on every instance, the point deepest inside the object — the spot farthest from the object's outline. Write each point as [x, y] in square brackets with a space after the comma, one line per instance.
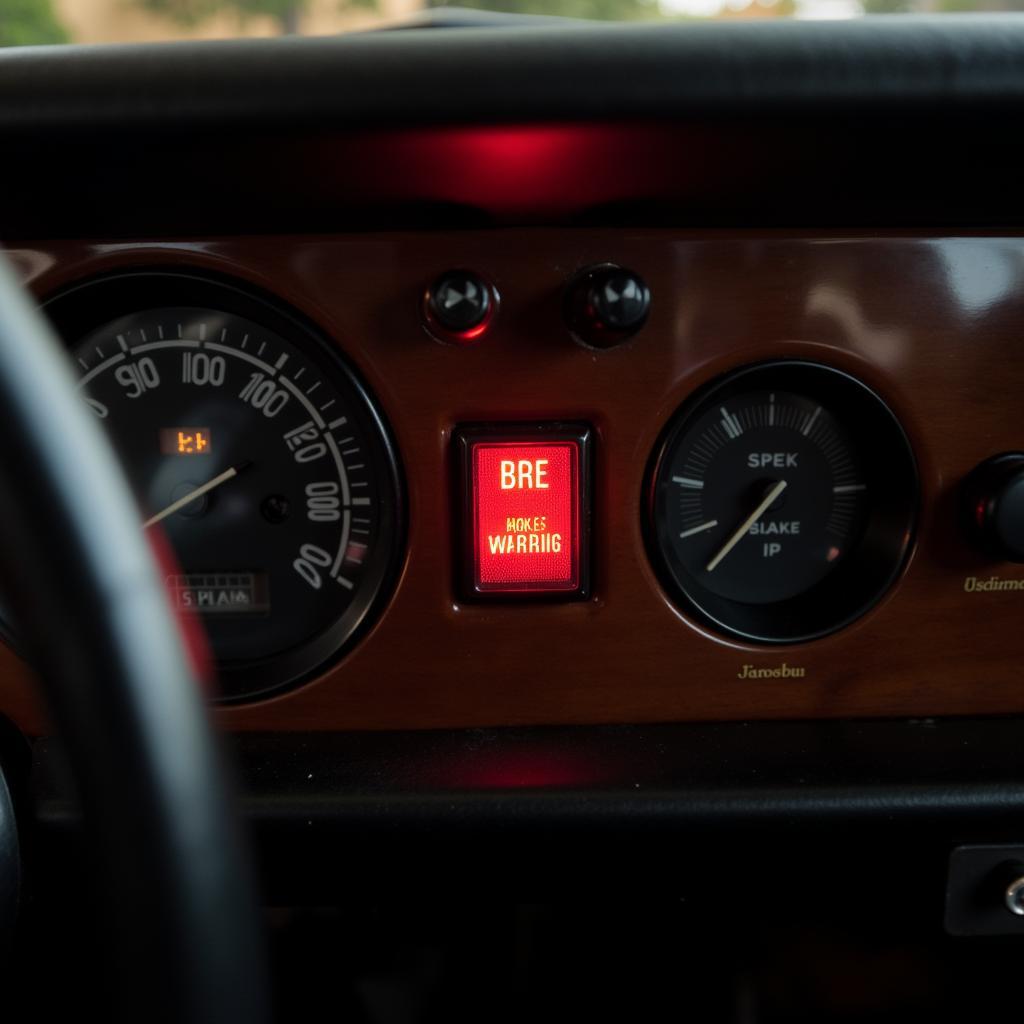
[526, 511]
[526, 520]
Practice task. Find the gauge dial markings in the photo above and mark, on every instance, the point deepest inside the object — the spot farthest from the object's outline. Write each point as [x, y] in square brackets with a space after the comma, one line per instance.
[792, 569]
[272, 533]
[791, 424]
[694, 530]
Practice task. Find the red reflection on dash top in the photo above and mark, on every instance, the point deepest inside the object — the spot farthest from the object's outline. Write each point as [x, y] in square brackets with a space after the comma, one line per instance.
[526, 516]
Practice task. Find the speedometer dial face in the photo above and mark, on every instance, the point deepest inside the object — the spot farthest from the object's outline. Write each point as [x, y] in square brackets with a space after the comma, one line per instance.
[782, 502]
[259, 455]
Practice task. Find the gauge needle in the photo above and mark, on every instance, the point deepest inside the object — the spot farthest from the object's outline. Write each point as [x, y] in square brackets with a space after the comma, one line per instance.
[747, 524]
[187, 499]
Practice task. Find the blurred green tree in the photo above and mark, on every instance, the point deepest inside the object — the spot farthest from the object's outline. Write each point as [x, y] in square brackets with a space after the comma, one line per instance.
[29, 23]
[601, 10]
[287, 13]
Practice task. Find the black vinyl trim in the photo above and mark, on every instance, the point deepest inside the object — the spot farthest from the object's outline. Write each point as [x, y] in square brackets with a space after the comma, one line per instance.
[950, 773]
[566, 812]
[588, 71]
[884, 122]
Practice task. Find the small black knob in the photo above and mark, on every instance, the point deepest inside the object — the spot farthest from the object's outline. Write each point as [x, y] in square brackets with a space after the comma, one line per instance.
[606, 305]
[1007, 883]
[995, 494]
[459, 306]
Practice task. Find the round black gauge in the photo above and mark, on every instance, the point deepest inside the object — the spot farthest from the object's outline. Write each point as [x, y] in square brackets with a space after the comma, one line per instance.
[781, 502]
[255, 450]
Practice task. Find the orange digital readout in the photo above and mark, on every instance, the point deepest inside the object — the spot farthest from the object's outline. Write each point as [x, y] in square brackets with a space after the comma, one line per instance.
[185, 441]
[526, 515]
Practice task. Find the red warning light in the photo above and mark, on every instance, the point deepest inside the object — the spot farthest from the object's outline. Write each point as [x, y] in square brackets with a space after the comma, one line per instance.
[526, 512]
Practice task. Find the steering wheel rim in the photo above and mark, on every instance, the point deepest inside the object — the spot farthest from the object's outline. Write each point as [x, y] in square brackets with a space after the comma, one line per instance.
[123, 695]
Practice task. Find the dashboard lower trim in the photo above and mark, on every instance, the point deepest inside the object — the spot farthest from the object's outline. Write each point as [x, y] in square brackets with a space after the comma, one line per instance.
[663, 808]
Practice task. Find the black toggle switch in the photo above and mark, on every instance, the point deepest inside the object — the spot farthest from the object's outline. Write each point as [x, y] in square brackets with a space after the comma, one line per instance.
[607, 304]
[995, 497]
[459, 306]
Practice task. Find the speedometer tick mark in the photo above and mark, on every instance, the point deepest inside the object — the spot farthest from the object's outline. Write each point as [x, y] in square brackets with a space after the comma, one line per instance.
[730, 424]
[811, 420]
[710, 525]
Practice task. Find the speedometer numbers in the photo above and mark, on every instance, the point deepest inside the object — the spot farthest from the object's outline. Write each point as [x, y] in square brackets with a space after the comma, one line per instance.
[261, 457]
[781, 502]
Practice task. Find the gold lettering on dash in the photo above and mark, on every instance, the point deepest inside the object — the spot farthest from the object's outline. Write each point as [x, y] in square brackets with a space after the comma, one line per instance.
[972, 585]
[782, 671]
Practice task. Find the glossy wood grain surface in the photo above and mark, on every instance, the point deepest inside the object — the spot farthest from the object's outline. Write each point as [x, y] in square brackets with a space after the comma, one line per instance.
[935, 325]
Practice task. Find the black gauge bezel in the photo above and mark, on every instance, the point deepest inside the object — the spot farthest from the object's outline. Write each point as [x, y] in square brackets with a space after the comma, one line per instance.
[865, 573]
[86, 306]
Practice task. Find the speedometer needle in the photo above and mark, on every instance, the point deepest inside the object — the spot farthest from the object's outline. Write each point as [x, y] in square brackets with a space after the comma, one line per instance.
[769, 498]
[187, 499]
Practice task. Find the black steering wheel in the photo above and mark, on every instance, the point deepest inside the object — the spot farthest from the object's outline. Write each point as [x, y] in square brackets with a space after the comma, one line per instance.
[122, 693]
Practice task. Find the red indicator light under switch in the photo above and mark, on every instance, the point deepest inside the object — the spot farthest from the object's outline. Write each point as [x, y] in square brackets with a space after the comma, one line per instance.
[526, 514]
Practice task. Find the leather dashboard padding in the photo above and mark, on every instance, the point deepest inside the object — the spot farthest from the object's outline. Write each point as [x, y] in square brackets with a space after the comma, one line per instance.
[465, 75]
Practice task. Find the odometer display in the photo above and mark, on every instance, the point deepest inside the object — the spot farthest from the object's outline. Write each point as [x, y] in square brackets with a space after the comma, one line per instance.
[186, 441]
[256, 450]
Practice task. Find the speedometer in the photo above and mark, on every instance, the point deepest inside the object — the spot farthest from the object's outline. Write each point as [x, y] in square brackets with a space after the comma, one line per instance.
[256, 450]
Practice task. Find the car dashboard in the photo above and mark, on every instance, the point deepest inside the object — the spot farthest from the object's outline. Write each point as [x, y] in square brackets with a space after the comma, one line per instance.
[699, 520]
[885, 365]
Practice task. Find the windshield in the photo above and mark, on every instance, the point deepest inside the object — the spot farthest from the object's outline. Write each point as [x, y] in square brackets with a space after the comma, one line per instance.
[35, 22]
